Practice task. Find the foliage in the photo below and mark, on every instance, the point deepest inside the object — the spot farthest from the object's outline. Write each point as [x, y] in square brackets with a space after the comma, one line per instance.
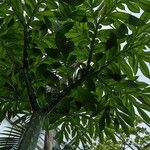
[74, 64]
[138, 139]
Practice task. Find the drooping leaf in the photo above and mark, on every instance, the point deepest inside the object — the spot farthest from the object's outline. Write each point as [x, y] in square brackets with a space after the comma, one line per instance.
[124, 126]
[127, 119]
[144, 115]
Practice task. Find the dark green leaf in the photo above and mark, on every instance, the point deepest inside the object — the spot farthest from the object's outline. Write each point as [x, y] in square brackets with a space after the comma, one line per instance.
[135, 21]
[116, 124]
[60, 41]
[130, 19]
[133, 7]
[66, 27]
[36, 51]
[144, 68]
[55, 65]
[145, 5]
[126, 68]
[78, 15]
[111, 42]
[90, 85]
[72, 59]
[124, 127]
[122, 31]
[52, 52]
[144, 115]
[73, 2]
[127, 119]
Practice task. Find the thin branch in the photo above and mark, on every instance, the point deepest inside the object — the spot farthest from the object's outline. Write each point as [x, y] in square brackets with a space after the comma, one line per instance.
[31, 93]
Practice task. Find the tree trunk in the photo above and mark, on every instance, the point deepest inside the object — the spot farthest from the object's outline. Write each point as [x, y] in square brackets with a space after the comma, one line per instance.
[48, 141]
[30, 137]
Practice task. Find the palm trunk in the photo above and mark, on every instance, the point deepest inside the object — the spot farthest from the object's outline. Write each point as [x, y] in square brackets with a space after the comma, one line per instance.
[48, 141]
[30, 137]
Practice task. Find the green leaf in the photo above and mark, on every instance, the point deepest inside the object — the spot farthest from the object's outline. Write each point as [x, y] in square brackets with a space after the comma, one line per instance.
[71, 60]
[133, 7]
[11, 22]
[73, 2]
[124, 126]
[79, 16]
[36, 51]
[130, 19]
[120, 15]
[144, 115]
[127, 119]
[111, 42]
[69, 47]
[145, 16]
[60, 41]
[121, 6]
[17, 6]
[133, 61]
[144, 68]
[55, 65]
[66, 27]
[110, 134]
[126, 68]
[122, 31]
[135, 21]
[145, 5]
[52, 4]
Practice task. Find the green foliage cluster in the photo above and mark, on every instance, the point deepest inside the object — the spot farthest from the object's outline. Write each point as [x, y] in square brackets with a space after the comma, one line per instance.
[65, 60]
[138, 139]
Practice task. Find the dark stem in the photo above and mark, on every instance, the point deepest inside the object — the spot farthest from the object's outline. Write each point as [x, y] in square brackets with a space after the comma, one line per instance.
[25, 71]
